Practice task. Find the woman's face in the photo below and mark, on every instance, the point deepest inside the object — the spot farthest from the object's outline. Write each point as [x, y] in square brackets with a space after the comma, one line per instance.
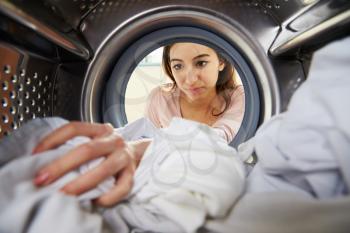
[195, 68]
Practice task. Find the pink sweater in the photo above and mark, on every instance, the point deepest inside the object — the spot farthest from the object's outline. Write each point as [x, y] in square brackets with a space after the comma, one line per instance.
[163, 105]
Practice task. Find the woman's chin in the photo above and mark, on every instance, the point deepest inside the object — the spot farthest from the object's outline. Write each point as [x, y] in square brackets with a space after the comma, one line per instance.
[196, 96]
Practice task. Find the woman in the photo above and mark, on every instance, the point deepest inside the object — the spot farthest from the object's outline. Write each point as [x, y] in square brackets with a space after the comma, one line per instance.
[203, 90]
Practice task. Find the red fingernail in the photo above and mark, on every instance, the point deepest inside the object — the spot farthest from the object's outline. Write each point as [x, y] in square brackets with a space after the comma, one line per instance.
[41, 178]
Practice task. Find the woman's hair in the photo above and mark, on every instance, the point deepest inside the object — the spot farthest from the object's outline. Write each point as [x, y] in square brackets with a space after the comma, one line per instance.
[226, 80]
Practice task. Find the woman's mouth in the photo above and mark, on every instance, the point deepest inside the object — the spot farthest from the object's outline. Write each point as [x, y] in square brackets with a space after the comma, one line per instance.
[196, 90]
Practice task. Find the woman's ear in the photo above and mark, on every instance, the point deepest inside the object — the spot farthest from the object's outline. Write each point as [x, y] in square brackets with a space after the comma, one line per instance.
[222, 65]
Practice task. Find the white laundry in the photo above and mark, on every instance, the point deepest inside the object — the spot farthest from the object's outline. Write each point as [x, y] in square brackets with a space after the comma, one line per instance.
[187, 174]
[301, 182]
[301, 150]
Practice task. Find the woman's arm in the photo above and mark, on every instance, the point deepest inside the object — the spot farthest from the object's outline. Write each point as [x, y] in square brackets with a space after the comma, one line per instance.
[152, 107]
[121, 160]
[229, 123]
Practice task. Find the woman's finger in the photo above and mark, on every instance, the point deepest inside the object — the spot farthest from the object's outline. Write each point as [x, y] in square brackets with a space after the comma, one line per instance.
[76, 157]
[70, 130]
[119, 191]
[109, 167]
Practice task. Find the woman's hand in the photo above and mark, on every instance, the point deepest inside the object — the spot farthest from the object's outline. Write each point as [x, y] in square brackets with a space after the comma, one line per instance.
[121, 160]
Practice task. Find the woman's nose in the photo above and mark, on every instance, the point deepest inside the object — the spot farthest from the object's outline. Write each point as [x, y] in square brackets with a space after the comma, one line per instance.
[192, 76]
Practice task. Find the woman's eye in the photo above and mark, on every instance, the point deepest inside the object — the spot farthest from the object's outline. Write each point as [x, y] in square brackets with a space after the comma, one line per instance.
[177, 67]
[202, 63]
